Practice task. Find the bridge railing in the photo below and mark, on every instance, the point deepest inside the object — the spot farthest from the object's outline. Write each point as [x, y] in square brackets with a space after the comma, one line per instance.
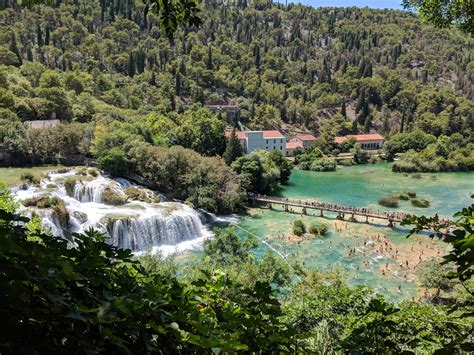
[361, 211]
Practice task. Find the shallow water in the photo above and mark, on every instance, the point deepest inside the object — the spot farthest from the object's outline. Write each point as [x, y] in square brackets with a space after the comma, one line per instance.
[361, 186]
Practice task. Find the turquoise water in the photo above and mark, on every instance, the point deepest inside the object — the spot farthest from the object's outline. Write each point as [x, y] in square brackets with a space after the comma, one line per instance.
[361, 186]
[364, 185]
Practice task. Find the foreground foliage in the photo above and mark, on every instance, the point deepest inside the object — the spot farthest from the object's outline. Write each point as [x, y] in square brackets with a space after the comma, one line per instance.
[90, 296]
[93, 297]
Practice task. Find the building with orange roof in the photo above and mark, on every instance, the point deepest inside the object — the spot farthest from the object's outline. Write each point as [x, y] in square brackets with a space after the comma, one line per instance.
[365, 141]
[269, 140]
[291, 146]
[307, 140]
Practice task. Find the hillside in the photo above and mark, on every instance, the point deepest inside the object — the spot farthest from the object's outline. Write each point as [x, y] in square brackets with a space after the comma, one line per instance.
[298, 59]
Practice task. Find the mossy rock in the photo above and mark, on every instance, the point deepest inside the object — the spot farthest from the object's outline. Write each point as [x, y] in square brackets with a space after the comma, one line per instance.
[411, 194]
[144, 195]
[30, 178]
[80, 216]
[69, 185]
[389, 201]
[416, 176]
[93, 172]
[404, 197]
[82, 171]
[111, 197]
[420, 202]
[42, 201]
[59, 209]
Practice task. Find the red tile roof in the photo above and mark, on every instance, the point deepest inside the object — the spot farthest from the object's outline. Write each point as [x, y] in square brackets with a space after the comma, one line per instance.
[360, 138]
[240, 135]
[293, 145]
[306, 137]
[273, 134]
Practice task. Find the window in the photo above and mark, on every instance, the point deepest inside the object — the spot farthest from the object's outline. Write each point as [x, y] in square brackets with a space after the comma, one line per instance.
[281, 147]
[274, 141]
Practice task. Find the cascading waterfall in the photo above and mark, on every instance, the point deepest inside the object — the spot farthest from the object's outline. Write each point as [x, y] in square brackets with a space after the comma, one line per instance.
[132, 224]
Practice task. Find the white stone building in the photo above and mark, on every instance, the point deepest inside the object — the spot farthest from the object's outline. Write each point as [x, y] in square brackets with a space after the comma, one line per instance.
[365, 141]
[265, 140]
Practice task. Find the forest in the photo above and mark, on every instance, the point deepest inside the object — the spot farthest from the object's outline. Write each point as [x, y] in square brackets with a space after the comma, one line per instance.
[327, 71]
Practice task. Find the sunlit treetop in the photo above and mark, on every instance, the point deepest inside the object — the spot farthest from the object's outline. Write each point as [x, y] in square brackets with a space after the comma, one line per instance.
[445, 13]
[171, 13]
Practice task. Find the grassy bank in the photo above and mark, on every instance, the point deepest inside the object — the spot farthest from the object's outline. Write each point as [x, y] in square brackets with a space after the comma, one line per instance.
[12, 176]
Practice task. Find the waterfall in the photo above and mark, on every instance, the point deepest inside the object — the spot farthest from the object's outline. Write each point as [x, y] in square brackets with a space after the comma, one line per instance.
[140, 233]
[130, 224]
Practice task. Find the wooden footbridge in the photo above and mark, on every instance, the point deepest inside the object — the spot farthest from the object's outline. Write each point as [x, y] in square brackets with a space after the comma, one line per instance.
[342, 211]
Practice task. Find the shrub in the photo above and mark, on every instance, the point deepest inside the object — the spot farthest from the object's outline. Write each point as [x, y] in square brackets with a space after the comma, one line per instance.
[404, 197]
[389, 201]
[420, 202]
[299, 228]
[323, 164]
[318, 229]
[134, 193]
[29, 177]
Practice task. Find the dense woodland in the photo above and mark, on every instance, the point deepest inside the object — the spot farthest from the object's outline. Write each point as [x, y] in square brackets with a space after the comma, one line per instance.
[328, 71]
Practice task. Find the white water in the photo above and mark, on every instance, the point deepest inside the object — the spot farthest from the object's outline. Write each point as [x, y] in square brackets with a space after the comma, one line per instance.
[140, 226]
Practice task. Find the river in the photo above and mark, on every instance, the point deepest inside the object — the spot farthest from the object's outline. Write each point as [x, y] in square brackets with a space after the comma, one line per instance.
[361, 186]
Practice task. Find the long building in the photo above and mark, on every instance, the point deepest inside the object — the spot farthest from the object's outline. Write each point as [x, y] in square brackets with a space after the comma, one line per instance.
[265, 140]
[365, 141]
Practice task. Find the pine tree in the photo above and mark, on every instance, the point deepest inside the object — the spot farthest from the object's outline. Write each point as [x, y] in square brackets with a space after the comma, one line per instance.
[14, 48]
[178, 84]
[46, 36]
[257, 57]
[29, 54]
[364, 113]
[385, 120]
[182, 67]
[355, 128]
[39, 35]
[140, 61]
[210, 64]
[111, 12]
[360, 102]
[233, 149]
[153, 79]
[368, 123]
[131, 65]
[343, 108]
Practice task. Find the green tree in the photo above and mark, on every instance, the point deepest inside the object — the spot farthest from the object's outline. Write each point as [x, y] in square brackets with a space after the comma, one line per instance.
[445, 13]
[299, 228]
[233, 149]
[201, 131]
[226, 247]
